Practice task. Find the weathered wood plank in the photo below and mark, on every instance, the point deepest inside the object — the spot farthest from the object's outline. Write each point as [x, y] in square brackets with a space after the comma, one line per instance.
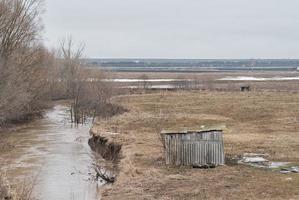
[196, 148]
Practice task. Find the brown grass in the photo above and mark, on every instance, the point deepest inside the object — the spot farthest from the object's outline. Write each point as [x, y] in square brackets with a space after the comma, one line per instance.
[8, 191]
[259, 122]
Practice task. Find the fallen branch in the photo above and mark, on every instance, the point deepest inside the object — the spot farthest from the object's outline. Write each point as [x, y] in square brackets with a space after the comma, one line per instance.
[103, 174]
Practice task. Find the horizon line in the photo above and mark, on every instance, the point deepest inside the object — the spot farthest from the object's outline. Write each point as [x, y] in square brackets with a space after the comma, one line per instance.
[142, 58]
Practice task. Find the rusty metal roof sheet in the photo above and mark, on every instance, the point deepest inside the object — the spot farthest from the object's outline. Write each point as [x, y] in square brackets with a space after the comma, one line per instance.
[201, 129]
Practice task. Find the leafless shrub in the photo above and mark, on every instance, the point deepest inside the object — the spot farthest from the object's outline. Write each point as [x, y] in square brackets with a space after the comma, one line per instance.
[72, 76]
[87, 88]
[71, 72]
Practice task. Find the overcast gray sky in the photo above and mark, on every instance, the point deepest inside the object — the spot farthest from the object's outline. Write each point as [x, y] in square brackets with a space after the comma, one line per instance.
[177, 28]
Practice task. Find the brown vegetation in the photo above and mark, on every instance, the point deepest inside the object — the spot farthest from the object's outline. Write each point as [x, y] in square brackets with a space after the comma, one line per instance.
[30, 75]
[89, 93]
[22, 60]
[258, 122]
[23, 192]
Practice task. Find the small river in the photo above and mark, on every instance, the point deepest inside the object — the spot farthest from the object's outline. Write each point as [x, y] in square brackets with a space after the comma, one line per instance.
[52, 153]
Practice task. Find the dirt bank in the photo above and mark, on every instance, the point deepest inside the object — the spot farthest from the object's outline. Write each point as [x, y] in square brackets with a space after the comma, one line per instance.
[105, 147]
[260, 122]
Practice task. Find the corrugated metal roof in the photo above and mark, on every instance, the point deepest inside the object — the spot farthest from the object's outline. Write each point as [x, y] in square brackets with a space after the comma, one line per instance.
[201, 129]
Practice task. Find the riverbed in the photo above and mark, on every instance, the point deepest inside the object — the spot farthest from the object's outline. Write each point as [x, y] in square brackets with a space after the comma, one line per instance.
[54, 155]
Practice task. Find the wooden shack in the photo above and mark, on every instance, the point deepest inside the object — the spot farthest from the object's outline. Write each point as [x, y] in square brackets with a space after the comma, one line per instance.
[202, 148]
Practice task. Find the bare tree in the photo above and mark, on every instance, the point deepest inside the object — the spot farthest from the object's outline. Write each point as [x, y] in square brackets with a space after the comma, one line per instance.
[71, 66]
[72, 76]
[21, 59]
[19, 25]
[89, 92]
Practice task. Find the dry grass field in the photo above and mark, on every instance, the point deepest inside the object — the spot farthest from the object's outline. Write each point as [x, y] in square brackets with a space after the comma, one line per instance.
[210, 80]
[258, 122]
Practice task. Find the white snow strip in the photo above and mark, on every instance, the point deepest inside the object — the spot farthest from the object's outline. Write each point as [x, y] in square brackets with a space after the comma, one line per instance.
[249, 78]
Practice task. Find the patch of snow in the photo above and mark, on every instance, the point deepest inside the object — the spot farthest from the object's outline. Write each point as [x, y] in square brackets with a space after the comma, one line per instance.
[151, 87]
[253, 160]
[124, 80]
[250, 78]
[258, 160]
[255, 154]
[275, 165]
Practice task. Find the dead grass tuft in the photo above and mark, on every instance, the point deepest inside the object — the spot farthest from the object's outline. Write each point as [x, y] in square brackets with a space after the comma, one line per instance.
[11, 192]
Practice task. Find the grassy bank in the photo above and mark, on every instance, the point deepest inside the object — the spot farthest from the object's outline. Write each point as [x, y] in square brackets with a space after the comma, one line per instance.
[259, 122]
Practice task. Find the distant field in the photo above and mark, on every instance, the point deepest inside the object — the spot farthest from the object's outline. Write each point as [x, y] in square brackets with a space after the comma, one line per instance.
[194, 65]
[274, 81]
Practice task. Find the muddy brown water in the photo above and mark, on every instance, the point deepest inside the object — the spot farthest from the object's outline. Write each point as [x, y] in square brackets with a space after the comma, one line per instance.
[52, 153]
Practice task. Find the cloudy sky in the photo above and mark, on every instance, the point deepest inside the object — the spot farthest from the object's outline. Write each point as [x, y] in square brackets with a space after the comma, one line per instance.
[177, 28]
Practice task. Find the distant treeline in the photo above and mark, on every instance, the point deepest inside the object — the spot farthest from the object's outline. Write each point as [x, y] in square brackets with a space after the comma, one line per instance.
[195, 64]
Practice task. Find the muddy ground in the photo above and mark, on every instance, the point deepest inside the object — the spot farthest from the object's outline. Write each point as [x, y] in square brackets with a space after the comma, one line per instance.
[259, 122]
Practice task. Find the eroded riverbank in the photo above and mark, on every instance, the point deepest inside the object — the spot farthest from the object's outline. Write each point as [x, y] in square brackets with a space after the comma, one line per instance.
[53, 154]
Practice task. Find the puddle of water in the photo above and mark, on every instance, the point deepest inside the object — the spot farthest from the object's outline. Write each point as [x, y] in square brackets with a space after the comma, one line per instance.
[49, 149]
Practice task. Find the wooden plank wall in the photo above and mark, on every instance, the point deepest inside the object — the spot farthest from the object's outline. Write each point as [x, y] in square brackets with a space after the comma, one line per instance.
[195, 149]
